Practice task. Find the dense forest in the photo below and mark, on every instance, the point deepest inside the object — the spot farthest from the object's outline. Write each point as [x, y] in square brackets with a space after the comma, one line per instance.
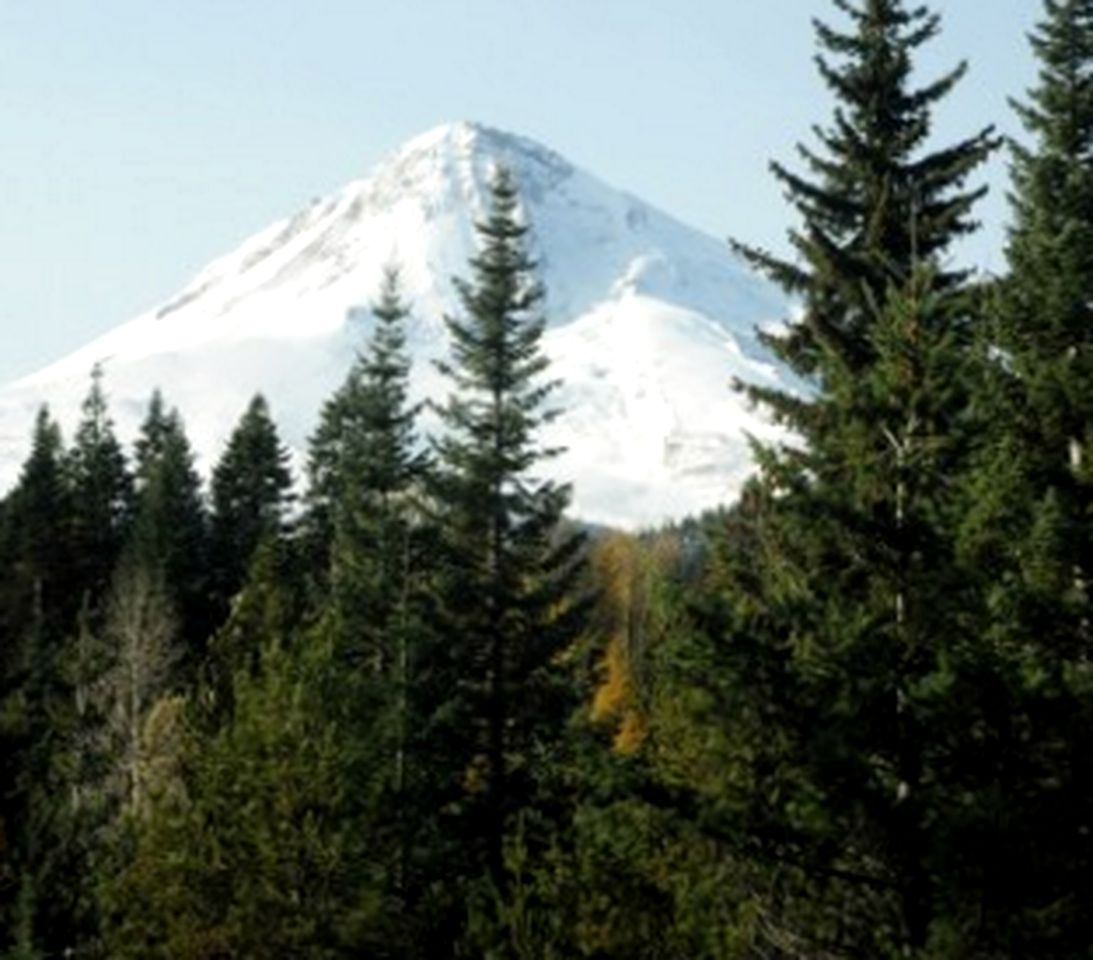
[406, 706]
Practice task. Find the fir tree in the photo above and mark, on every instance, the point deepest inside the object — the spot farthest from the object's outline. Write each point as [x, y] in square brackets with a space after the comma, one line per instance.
[850, 624]
[1045, 308]
[376, 480]
[103, 493]
[170, 529]
[38, 526]
[858, 718]
[874, 203]
[250, 491]
[38, 608]
[367, 526]
[270, 607]
[153, 432]
[1030, 531]
[510, 570]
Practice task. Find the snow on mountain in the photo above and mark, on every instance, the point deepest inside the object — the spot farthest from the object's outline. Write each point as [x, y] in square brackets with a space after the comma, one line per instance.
[649, 322]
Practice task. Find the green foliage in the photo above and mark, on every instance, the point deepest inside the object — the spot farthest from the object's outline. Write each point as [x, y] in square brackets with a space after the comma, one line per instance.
[874, 202]
[250, 491]
[102, 494]
[1031, 530]
[848, 716]
[854, 712]
[37, 607]
[170, 532]
[509, 568]
[269, 608]
[857, 722]
[253, 854]
[367, 479]
[369, 476]
[37, 538]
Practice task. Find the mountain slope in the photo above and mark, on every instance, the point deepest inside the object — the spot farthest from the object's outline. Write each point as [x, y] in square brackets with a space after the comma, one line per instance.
[649, 321]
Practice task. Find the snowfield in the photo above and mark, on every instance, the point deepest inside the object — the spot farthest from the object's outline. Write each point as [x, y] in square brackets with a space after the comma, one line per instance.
[649, 322]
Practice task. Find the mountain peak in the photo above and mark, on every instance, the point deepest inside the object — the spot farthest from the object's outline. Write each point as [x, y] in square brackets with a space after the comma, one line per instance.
[466, 138]
[649, 321]
[460, 157]
[458, 136]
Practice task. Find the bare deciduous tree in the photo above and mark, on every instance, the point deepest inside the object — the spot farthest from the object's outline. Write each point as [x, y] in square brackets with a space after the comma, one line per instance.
[141, 629]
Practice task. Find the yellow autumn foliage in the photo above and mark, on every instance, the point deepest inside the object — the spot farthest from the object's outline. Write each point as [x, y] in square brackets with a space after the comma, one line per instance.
[624, 569]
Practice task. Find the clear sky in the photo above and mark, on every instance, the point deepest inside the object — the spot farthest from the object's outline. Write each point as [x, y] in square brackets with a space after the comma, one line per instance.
[142, 138]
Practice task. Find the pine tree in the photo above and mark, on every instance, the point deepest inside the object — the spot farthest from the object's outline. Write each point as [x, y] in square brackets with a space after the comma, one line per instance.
[170, 529]
[38, 529]
[270, 607]
[149, 445]
[1030, 530]
[363, 457]
[849, 624]
[38, 608]
[510, 568]
[250, 491]
[103, 493]
[367, 527]
[1045, 311]
[84, 810]
[376, 480]
[858, 718]
[876, 203]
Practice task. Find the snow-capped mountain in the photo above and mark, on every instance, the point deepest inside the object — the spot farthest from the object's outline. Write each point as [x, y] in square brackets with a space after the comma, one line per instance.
[649, 322]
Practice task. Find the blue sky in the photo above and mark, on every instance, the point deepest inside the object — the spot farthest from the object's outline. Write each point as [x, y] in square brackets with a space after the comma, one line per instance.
[142, 138]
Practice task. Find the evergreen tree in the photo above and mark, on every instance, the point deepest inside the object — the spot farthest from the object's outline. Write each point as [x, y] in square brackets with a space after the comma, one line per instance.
[1045, 309]
[103, 493]
[367, 525]
[510, 569]
[153, 433]
[856, 720]
[1030, 531]
[324, 457]
[875, 203]
[38, 608]
[376, 479]
[170, 529]
[363, 457]
[84, 812]
[250, 491]
[38, 526]
[250, 849]
[847, 673]
[269, 608]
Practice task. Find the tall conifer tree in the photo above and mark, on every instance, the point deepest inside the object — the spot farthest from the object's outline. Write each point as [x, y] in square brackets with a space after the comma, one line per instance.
[250, 491]
[873, 202]
[508, 594]
[378, 477]
[103, 493]
[38, 608]
[848, 627]
[170, 532]
[1031, 530]
[1046, 321]
[367, 523]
